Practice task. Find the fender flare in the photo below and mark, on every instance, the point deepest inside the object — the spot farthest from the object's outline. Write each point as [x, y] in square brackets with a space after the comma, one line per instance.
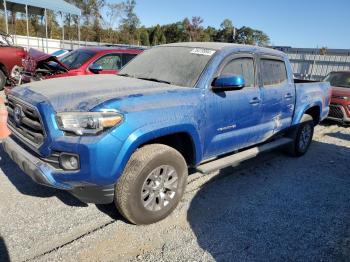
[299, 114]
[148, 133]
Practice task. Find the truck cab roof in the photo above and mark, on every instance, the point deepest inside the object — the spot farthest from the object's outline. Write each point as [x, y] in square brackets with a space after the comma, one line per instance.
[217, 46]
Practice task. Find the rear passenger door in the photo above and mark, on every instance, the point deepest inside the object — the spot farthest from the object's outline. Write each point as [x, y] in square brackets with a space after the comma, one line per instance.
[278, 94]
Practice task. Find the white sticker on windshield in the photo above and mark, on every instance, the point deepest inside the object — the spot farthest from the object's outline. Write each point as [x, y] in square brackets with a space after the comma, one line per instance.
[202, 51]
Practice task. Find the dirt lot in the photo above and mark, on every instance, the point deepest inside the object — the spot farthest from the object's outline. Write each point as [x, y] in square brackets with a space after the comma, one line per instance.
[272, 208]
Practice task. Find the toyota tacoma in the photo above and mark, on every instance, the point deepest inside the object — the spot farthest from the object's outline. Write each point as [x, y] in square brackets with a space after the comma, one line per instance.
[130, 138]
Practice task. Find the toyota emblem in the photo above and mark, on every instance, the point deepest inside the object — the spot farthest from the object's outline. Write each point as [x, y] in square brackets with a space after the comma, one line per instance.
[18, 114]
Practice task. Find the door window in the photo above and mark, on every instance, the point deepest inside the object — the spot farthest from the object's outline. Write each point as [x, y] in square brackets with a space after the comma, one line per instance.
[241, 67]
[127, 58]
[273, 72]
[110, 62]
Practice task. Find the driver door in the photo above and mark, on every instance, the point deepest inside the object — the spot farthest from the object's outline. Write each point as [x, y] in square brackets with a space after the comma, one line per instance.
[234, 117]
[110, 63]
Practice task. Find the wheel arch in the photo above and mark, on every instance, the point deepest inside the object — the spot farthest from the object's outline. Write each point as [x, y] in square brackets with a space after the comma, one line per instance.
[180, 137]
[314, 110]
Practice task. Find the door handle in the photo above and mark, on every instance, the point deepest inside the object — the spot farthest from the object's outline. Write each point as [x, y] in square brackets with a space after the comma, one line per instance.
[288, 96]
[255, 101]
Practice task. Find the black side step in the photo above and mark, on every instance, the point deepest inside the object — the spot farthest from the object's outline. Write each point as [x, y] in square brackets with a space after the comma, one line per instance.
[237, 158]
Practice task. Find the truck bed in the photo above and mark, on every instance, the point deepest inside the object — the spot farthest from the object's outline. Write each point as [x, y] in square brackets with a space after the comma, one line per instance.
[311, 93]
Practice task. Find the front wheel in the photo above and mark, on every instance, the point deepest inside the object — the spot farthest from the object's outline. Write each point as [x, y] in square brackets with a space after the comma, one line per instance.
[152, 184]
[302, 137]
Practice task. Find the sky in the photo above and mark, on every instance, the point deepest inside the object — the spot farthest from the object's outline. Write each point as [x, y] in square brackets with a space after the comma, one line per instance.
[296, 23]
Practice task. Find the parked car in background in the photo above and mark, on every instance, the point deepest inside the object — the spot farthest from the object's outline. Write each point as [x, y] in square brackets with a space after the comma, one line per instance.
[83, 61]
[340, 101]
[10, 60]
[130, 138]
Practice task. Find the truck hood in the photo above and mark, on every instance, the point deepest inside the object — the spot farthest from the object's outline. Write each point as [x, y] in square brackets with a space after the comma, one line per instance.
[83, 93]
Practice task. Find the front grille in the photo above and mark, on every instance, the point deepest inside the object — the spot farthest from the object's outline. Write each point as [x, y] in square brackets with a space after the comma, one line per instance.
[335, 111]
[26, 124]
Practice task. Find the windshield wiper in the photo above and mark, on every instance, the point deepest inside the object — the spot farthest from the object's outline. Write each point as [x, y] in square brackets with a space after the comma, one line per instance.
[154, 80]
[343, 86]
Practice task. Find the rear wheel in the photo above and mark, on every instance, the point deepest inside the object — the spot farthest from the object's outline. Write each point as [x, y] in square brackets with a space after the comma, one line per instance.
[2, 80]
[302, 137]
[152, 184]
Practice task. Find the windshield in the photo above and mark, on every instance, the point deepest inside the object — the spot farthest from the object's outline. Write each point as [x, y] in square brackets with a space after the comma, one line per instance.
[77, 58]
[338, 79]
[180, 66]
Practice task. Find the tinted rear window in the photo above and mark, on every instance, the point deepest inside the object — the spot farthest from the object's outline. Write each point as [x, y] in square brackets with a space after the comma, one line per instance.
[273, 72]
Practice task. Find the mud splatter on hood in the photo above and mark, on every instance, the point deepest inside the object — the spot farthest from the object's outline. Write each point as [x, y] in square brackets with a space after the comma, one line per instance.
[82, 93]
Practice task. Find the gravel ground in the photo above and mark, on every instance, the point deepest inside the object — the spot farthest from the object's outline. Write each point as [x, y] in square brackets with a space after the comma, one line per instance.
[271, 208]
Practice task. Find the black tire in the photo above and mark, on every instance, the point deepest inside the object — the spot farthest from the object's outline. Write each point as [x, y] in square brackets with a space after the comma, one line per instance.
[2, 80]
[301, 143]
[137, 175]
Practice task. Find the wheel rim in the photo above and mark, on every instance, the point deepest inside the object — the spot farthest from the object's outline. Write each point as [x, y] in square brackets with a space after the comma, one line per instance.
[159, 188]
[305, 137]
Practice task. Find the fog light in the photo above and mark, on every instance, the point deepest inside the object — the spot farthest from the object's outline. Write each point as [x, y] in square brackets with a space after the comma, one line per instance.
[69, 161]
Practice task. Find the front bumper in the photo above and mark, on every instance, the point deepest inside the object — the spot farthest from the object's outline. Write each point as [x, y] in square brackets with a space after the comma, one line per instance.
[44, 174]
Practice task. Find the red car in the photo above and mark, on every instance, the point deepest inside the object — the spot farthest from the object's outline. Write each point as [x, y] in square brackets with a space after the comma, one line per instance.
[83, 61]
[340, 101]
[10, 58]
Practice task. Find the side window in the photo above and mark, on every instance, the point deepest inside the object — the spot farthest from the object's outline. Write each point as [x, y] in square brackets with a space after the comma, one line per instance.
[110, 62]
[273, 72]
[242, 67]
[127, 58]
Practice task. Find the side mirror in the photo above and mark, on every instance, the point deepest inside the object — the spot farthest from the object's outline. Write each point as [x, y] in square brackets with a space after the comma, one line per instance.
[95, 68]
[227, 83]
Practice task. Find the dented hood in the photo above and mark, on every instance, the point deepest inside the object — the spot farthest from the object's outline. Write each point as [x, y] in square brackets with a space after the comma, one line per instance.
[83, 93]
[34, 57]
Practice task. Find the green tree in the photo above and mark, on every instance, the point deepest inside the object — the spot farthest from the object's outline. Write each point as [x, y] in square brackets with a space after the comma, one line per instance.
[91, 19]
[210, 34]
[144, 37]
[130, 22]
[226, 32]
[162, 40]
[156, 36]
[249, 36]
[174, 32]
[193, 28]
[323, 51]
[113, 15]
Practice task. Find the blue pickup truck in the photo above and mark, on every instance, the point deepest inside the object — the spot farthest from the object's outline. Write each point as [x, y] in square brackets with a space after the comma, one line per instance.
[130, 138]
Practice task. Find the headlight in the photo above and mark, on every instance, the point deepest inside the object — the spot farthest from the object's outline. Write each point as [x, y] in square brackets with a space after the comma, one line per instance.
[87, 123]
